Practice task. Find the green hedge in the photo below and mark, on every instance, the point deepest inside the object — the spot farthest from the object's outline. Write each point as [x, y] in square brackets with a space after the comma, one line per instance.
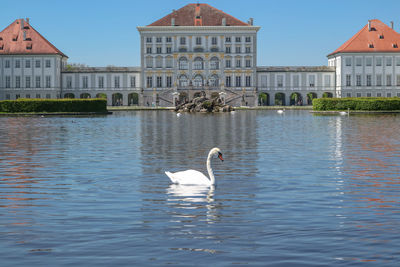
[359, 103]
[53, 105]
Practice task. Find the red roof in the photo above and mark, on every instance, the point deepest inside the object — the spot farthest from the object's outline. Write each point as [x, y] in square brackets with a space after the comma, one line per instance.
[21, 38]
[198, 15]
[381, 38]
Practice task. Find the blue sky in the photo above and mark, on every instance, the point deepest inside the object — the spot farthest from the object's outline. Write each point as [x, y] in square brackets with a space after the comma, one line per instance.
[103, 32]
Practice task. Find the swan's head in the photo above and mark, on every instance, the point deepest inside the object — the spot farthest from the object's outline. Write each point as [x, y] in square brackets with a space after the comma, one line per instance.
[217, 151]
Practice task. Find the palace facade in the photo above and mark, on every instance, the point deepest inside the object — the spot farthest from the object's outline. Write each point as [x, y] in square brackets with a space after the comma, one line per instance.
[196, 49]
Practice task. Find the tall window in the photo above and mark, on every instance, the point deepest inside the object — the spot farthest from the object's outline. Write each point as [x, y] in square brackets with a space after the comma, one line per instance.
[214, 40]
[248, 39]
[228, 81]
[27, 64]
[85, 82]
[358, 61]
[169, 81]
[238, 63]
[379, 61]
[397, 61]
[264, 80]
[158, 50]
[296, 81]
[237, 40]
[198, 81]
[17, 81]
[8, 81]
[168, 39]
[27, 81]
[148, 50]
[183, 40]
[183, 81]
[37, 81]
[198, 40]
[149, 62]
[227, 63]
[214, 63]
[169, 50]
[227, 39]
[358, 80]
[348, 61]
[368, 61]
[101, 81]
[17, 64]
[168, 62]
[237, 49]
[159, 61]
[228, 50]
[133, 81]
[7, 64]
[279, 81]
[69, 82]
[158, 39]
[248, 49]
[214, 81]
[311, 80]
[238, 81]
[198, 63]
[248, 63]
[159, 81]
[148, 39]
[348, 80]
[183, 63]
[48, 63]
[149, 83]
[389, 80]
[248, 81]
[327, 80]
[48, 81]
[379, 80]
[398, 80]
[116, 81]
[37, 63]
[388, 61]
[369, 79]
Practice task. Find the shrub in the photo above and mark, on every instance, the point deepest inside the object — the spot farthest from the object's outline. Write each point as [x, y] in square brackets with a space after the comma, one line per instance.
[53, 105]
[360, 103]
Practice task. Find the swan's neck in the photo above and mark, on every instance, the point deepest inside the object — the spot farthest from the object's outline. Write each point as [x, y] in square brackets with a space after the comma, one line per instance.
[210, 170]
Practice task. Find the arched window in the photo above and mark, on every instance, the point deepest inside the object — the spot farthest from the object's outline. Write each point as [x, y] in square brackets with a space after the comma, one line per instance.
[198, 63]
[214, 80]
[183, 63]
[183, 81]
[168, 62]
[159, 61]
[149, 62]
[198, 81]
[214, 63]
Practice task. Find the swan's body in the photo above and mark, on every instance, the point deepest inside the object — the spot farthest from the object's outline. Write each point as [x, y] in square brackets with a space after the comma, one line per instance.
[343, 113]
[281, 111]
[193, 177]
[178, 114]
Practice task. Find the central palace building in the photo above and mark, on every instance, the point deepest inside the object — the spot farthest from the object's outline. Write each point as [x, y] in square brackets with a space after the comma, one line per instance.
[200, 49]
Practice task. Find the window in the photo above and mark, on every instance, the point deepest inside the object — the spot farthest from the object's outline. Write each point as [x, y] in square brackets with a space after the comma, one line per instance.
[248, 39]
[237, 39]
[28, 96]
[348, 94]
[358, 94]
[149, 62]
[158, 39]
[159, 50]
[198, 40]
[85, 81]
[159, 81]
[198, 63]
[149, 40]
[397, 61]
[69, 82]
[248, 63]
[398, 80]
[37, 81]
[116, 81]
[379, 80]
[296, 81]
[389, 94]
[358, 61]
[27, 82]
[279, 81]
[17, 81]
[227, 39]
[182, 40]
[227, 63]
[311, 80]
[7, 64]
[238, 63]
[368, 94]
[214, 81]
[159, 62]
[228, 81]
[238, 81]
[8, 96]
[214, 63]
[214, 40]
[237, 49]
[348, 61]
[388, 61]
[168, 39]
[169, 50]
[358, 80]
[378, 94]
[148, 50]
[17, 64]
[248, 81]
[149, 83]
[198, 81]
[168, 62]
[327, 80]
[228, 49]
[264, 81]
[37, 95]
[348, 80]
[368, 61]
[27, 64]
[369, 79]
[48, 81]
[389, 80]
[183, 64]
[183, 81]
[133, 81]
[101, 81]
[379, 61]
[48, 63]
[169, 81]
[37, 63]
[248, 49]
[48, 96]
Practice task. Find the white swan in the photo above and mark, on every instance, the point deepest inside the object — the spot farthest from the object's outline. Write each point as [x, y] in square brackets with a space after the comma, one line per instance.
[178, 114]
[193, 177]
[281, 111]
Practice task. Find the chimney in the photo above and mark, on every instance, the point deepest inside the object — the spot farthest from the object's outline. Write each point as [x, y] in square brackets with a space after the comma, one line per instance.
[27, 20]
[22, 24]
[24, 35]
[223, 21]
[369, 25]
[391, 25]
[251, 21]
[172, 21]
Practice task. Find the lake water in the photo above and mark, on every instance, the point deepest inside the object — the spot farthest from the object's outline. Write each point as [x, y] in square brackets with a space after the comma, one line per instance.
[294, 189]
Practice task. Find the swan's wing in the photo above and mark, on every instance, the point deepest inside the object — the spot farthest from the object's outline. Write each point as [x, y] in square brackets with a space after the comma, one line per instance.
[188, 177]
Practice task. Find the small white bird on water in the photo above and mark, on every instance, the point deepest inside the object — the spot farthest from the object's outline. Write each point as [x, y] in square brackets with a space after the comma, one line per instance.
[193, 177]
[280, 111]
[178, 114]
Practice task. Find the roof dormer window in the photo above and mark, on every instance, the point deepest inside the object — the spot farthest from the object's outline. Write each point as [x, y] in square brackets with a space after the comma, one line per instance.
[395, 46]
[380, 36]
[371, 45]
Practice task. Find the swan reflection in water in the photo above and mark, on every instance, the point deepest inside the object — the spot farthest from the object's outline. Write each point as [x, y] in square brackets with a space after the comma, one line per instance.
[191, 200]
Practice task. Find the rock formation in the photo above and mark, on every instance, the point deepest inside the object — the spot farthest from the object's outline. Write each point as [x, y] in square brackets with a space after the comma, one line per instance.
[204, 104]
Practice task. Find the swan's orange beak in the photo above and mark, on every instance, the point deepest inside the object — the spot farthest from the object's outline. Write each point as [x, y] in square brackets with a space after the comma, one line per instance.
[220, 157]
